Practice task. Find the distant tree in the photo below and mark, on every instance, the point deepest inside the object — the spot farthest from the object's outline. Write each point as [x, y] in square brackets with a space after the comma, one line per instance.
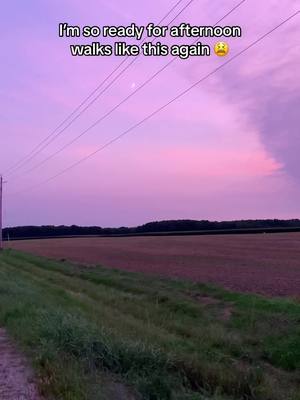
[21, 232]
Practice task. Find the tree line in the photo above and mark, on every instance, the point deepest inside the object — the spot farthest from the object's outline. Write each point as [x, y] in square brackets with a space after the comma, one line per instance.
[158, 227]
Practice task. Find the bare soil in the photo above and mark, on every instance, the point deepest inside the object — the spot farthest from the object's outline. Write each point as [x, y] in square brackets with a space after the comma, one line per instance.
[16, 379]
[268, 264]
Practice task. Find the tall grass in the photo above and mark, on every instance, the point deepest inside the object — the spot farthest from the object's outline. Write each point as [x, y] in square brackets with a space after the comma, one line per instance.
[95, 333]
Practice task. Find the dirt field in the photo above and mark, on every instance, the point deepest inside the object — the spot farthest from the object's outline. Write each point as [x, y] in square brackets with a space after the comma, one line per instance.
[265, 263]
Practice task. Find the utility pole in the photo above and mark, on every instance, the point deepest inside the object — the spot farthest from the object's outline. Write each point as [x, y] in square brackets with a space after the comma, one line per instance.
[1, 194]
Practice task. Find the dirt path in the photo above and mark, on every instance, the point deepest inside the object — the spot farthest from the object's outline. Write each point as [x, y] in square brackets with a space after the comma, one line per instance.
[16, 379]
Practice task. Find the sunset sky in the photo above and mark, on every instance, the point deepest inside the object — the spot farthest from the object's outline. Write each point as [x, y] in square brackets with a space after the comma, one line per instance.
[230, 149]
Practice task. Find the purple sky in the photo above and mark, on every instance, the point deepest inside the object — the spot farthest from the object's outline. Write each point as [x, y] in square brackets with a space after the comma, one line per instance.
[228, 150]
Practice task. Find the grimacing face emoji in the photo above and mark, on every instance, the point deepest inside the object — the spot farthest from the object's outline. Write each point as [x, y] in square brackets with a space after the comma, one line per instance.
[221, 49]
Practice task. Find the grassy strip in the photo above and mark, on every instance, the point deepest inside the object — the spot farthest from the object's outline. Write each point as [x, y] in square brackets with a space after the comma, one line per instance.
[165, 339]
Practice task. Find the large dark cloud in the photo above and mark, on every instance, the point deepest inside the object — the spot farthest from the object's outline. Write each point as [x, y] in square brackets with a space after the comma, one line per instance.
[274, 109]
[264, 83]
[267, 90]
[278, 119]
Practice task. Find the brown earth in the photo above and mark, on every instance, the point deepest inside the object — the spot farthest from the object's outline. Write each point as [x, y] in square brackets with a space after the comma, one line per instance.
[268, 264]
[16, 379]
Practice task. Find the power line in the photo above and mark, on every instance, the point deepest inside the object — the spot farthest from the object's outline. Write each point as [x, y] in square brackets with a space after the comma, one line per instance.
[144, 84]
[92, 102]
[45, 142]
[183, 93]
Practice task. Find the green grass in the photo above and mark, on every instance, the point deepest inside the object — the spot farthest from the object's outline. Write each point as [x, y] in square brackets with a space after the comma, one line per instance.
[96, 333]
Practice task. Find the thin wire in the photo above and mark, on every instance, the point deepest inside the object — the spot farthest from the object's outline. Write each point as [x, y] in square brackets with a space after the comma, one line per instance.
[149, 80]
[37, 149]
[91, 103]
[162, 107]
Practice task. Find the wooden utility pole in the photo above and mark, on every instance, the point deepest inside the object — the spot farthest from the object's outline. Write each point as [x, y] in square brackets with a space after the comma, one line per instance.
[1, 193]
